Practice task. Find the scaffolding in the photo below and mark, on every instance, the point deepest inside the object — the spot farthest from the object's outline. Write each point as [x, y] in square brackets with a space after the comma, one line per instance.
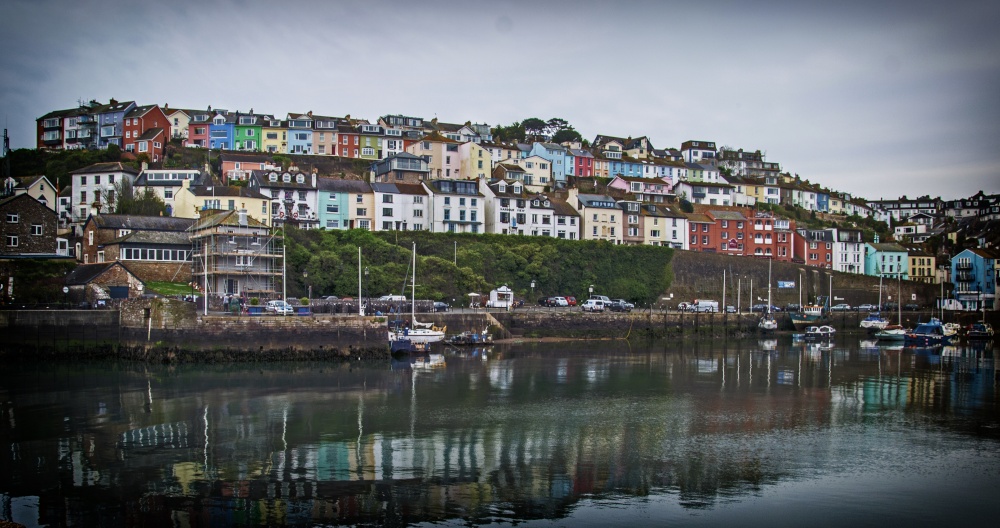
[236, 255]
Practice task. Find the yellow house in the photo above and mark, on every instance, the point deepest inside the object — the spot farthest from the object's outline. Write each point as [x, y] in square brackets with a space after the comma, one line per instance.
[444, 159]
[923, 266]
[600, 217]
[476, 162]
[190, 201]
[274, 136]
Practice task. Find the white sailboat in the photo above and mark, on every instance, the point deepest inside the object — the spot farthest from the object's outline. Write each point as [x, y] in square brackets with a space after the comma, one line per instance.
[875, 321]
[420, 333]
[894, 332]
[768, 323]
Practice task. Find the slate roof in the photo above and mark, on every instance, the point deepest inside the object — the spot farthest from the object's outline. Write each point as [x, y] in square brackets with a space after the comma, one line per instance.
[561, 208]
[172, 238]
[727, 215]
[224, 190]
[399, 188]
[150, 134]
[343, 186]
[262, 178]
[139, 111]
[888, 246]
[141, 223]
[84, 273]
[116, 166]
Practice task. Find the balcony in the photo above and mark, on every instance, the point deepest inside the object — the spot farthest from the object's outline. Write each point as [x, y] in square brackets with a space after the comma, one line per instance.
[963, 266]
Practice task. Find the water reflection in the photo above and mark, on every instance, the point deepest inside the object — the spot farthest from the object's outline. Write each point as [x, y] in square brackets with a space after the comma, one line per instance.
[479, 435]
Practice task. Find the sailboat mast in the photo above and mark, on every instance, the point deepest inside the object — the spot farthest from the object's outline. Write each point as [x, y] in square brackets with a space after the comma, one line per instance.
[413, 292]
[769, 285]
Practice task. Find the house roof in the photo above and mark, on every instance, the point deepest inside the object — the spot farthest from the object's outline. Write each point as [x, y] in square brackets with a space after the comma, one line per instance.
[225, 190]
[140, 222]
[341, 185]
[150, 134]
[116, 166]
[399, 188]
[888, 247]
[227, 218]
[84, 273]
[727, 215]
[173, 238]
[699, 218]
[262, 179]
[140, 111]
[561, 208]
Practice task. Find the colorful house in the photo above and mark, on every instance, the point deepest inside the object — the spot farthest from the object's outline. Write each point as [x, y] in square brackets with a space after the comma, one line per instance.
[248, 130]
[456, 206]
[142, 122]
[274, 136]
[974, 274]
[345, 204]
[300, 133]
[886, 259]
[222, 131]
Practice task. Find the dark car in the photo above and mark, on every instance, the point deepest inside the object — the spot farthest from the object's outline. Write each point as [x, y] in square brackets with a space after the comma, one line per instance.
[912, 307]
[792, 307]
[758, 308]
[441, 307]
[619, 305]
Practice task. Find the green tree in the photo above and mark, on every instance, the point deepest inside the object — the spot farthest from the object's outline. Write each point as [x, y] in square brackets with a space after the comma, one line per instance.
[129, 201]
[566, 134]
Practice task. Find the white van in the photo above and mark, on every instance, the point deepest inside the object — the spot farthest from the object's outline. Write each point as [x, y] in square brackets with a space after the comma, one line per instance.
[593, 305]
[401, 298]
[601, 298]
[703, 305]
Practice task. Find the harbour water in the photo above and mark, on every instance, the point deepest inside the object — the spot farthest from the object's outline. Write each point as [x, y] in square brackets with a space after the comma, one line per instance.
[598, 433]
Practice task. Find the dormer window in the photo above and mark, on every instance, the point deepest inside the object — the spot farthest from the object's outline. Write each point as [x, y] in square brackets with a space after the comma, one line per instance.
[517, 189]
[272, 177]
[547, 203]
[534, 203]
[286, 177]
[219, 120]
[300, 178]
[502, 188]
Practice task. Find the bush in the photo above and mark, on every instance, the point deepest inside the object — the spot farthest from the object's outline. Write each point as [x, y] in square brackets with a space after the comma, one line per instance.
[254, 301]
[304, 301]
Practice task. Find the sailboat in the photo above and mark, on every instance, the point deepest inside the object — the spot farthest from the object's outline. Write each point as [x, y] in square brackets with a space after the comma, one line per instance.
[767, 322]
[894, 332]
[403, 338]
[875, 321]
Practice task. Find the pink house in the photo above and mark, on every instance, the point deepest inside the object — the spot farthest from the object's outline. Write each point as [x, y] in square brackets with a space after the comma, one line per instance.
[648, 190]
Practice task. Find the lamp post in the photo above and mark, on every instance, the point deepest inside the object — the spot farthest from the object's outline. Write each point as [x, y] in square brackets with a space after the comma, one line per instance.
[367, 295]
[66, 295]
[532, 290]
[591, 291]
[309, 290]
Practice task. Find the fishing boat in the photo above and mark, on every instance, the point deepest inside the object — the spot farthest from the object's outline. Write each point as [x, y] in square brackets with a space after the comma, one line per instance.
[811, 314]
[820, 333]
[403, 337]
[768, 323]
[929, 333]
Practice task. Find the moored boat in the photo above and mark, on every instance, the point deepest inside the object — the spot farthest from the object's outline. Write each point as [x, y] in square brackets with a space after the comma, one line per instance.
[819, 333]
[874, 321]
[810, 315]
[929, 333]
[767, 323]
[979, 331]
[470, 338]
[891, 333]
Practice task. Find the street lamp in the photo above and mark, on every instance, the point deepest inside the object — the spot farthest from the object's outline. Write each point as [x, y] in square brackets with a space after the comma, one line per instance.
[591, 290]
[532, 290]
[66, 295]
[367, 295]
[305, 278]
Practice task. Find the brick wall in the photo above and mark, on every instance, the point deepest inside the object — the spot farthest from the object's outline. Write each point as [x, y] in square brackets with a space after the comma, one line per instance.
[29, 212]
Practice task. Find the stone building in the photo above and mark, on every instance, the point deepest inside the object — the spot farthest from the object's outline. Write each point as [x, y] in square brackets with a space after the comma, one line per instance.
[27, 227]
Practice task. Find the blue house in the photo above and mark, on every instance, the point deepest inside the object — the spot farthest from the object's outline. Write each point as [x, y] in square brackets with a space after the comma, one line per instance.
[111, 122]
[300, 133]
[222, 131]
[888, 260]
[974, 274]
[823, 201]
[338, 199]
[556, 154]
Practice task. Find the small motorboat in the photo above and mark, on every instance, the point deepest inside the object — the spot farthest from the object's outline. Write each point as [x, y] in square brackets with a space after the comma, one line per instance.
[979, 331]
[874, 321]
[891, 333]
[820, 333]
[929, 333]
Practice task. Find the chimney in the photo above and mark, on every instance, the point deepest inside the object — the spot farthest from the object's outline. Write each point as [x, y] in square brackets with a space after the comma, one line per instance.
[113, 101]
[145, 166]
[309, 113]
[314, 177]
[243, 217]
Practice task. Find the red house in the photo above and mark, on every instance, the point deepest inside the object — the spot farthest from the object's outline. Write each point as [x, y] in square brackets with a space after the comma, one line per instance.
[139, 123]
[198, 133]
[815, 247]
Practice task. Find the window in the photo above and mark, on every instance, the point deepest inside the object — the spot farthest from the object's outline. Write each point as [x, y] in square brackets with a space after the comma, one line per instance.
[12, 241]
[13, 218]
[386, 198]
[387, 211]
[36, 229]
[168, 194]
[332, 208]
[362, 211]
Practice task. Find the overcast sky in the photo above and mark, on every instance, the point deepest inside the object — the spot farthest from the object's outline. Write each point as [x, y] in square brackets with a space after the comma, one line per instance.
[879, 99]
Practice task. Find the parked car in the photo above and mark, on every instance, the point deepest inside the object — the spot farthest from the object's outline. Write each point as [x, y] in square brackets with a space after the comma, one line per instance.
[730, 309]
[867, 308]
[912, 307]
[842, 307]
[278, 307]
[792, 307]
[441, 306]
[685, 307]
[571, 300]
[559, 301]
[620, 305]
[758, 308]
[332, 298]
[593, 305]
